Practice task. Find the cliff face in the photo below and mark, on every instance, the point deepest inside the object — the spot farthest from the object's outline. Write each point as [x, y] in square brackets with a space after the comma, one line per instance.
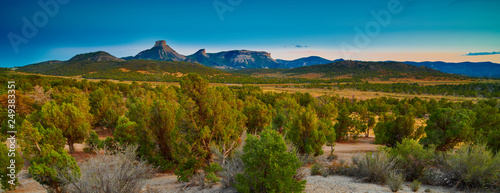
[235, 59]
[238, 59]
[160, 51]
[95, 56]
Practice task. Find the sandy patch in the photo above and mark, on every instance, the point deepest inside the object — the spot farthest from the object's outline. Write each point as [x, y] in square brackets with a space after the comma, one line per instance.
[124, 69]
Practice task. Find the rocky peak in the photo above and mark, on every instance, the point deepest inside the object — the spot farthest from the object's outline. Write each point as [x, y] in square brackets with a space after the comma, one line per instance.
[161, 51]
[160, 43]
[201, 52]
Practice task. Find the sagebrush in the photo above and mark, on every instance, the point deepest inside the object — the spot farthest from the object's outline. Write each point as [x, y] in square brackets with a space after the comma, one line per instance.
[116, 173]
[373, 167]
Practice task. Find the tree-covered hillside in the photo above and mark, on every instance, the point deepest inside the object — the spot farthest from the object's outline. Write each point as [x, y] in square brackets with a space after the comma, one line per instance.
[75, 68]
[358, 69]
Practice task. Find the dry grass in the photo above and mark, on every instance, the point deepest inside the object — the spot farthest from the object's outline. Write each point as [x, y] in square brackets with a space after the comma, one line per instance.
[363, 95]
[316, 92]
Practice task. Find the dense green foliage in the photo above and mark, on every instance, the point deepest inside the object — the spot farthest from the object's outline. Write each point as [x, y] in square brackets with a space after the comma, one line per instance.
[73, 123]
[305, 133]
[448, 127]
[394, 130]
[112, 68]
[268, 165]
[345, 124]
[43, 148]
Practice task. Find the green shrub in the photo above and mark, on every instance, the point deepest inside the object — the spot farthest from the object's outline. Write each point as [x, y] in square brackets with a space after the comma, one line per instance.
[471, 167]
[186, 170]
[412, 158]
[305, 134]
[393, 131]
[318, 169]
[50, 169]
[210, 172]
[415, 185]
[373, 167]
[448, 127]
[395, 181]
[110, 144]
[207, 178]
[269, 167]
[93, 143]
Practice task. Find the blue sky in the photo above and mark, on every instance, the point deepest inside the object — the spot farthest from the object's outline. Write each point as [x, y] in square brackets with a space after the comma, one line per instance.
[420, 30]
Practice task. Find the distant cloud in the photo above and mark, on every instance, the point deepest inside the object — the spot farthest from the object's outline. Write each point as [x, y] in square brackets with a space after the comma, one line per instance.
[301, 46]
[481, 53]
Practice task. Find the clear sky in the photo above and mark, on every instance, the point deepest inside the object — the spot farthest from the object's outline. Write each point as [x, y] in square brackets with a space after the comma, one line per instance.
[401, 30]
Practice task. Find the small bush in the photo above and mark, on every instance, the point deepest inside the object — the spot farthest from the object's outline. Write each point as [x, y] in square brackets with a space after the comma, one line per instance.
[316, 169]
[231, 168]
[395, 181]
[93, 143]
[211, 179]
[269, 167]
[471, 167]
[373, 167]
[112, 173]
[304, 158]
[433, 176]
[412, 158]
[208, 178]
[340, 168]
[332, 157]
[415, 185]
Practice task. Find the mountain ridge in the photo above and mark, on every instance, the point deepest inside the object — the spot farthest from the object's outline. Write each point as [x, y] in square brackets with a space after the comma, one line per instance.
[95, 57]
[474, 69]
[246, 59]
[305, 61]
